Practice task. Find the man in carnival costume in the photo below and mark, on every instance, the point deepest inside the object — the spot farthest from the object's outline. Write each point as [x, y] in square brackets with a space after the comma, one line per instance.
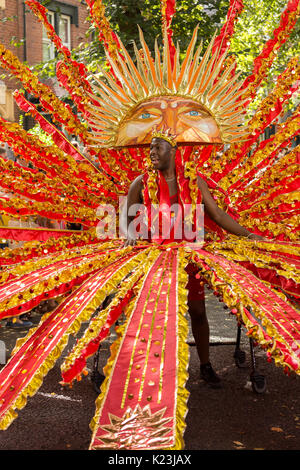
[163, 154]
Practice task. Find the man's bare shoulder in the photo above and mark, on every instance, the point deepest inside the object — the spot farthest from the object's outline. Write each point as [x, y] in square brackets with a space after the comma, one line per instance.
[136, 184]
[136, 189]
[138, 181]
[201, 183]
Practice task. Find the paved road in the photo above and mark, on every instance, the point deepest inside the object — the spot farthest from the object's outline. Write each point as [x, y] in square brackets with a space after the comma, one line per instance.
[232, 418]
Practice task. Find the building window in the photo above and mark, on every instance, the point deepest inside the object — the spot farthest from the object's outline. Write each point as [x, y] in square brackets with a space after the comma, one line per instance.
[62, 25]
[2, 92]
[48, 46]
[65, 30]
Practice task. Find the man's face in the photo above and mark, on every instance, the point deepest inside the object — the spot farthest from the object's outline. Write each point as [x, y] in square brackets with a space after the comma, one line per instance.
[186, 119]
[161, 154]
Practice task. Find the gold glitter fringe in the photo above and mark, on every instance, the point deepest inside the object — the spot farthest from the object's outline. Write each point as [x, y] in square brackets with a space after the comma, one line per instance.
[238, 299]
[114, 349]
[183, 357]
[98, 322]
[50, 361]
[48, 284]
[183, 352]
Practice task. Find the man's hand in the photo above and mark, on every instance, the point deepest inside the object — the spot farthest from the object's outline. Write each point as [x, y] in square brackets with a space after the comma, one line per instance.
[131, 241]
[254, 236]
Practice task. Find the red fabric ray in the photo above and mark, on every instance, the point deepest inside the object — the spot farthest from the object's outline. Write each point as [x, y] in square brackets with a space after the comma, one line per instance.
[221, 41]
[28, 234]
[145, 369]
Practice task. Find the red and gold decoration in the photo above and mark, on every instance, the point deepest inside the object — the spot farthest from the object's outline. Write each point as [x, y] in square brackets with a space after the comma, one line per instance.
[150, 366]
[198, 105]
[199, 100]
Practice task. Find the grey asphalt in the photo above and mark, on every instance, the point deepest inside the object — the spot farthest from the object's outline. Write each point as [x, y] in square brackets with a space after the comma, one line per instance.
[231, 418]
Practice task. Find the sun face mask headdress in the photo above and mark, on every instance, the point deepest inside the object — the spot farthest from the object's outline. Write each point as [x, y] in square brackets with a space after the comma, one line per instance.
[200, 99]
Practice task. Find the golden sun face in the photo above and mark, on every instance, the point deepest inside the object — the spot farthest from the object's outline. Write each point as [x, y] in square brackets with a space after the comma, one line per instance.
[200, 100]
[185, 118]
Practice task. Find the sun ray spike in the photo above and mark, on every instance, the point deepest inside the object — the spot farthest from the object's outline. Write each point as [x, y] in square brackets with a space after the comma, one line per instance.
[201, 69]
[134, 71]
[158, 66]
[148, 59]
[167, 67]
[120, 76]
[187, 59]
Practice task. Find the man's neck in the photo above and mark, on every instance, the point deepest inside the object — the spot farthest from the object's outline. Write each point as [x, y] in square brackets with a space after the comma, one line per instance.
[169, 174]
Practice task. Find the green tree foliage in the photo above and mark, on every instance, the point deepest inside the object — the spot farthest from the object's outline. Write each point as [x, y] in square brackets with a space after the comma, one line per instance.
[254, 27]
[125, 15]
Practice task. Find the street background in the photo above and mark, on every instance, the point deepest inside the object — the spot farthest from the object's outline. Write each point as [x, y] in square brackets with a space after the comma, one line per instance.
[231, 418]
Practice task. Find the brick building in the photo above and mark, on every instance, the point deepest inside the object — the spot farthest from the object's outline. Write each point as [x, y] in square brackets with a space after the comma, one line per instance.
[19, 24]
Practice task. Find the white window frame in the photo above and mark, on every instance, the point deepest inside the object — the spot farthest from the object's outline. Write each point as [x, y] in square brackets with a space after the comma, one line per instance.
[68, 18]
[46, 40]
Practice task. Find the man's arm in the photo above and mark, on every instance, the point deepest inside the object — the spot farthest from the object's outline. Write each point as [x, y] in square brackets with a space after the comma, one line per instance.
[220, 217]
[133, 197]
